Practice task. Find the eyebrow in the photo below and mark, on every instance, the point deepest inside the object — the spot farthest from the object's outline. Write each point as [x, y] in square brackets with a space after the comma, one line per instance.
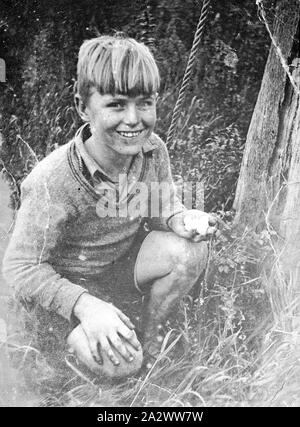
[116, 98]
[148, 96]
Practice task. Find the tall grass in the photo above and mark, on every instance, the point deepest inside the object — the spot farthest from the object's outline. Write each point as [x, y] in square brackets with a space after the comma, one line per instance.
[237, 344]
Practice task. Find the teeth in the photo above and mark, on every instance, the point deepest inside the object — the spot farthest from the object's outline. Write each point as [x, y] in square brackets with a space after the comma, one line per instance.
[130, 134]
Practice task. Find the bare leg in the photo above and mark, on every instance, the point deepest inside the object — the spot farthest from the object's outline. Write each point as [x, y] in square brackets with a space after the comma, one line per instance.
[170, 265]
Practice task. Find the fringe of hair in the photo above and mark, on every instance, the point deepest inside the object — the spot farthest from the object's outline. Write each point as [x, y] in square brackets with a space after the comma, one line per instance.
[116, 65]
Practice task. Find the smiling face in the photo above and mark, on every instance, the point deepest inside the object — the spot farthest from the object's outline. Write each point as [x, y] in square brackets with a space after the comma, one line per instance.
[120, 123]
[117, 80]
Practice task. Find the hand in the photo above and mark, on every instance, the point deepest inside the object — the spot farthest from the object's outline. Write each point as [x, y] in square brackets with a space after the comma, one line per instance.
[104, 325]
[194, 225]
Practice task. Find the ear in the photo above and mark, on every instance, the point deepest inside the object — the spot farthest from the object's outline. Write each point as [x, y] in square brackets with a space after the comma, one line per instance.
[81, 107]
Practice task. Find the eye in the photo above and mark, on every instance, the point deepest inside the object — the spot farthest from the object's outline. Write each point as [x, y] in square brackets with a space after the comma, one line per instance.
[116, 104]
[146, 103]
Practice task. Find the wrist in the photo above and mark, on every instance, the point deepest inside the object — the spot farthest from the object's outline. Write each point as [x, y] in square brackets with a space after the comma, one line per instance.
[82, 305]
[170, 223]
[170, 220]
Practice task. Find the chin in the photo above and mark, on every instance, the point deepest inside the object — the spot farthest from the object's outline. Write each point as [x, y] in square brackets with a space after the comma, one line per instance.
[130, 150]
[130, 147]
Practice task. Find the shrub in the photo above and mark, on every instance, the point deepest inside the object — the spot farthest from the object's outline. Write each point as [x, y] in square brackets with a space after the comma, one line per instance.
[210, 156]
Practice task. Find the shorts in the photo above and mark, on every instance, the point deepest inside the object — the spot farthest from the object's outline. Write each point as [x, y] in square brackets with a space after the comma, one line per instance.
[118, 278]
[116, 284]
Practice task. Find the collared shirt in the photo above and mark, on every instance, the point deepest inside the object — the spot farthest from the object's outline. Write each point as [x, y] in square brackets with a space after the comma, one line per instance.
[100, 180]
[61, 238]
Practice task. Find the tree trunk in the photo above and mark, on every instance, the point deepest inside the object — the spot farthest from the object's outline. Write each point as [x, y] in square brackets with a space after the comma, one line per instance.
[269, 141]
[289, 222]
[289, 202]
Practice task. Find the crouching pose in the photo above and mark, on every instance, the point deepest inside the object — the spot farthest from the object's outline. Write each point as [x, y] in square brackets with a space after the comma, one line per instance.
[80, 247]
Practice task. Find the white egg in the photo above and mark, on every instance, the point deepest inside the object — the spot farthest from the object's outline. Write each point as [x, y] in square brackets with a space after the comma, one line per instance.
[196, 222]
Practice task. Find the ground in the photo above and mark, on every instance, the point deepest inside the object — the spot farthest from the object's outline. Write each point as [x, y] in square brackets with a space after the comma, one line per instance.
[237, 346]
[11, 391]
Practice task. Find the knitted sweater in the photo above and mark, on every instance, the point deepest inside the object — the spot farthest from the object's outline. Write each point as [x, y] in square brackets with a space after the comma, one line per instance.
[59, 235]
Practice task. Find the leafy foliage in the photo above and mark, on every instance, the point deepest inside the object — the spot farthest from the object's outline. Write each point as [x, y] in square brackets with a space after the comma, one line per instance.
[236, 344]
[220, 352]
[212, 158]
[40, 45]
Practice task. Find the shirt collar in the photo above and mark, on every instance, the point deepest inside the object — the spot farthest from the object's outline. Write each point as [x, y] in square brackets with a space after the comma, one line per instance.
[92, 166]
[83, 133]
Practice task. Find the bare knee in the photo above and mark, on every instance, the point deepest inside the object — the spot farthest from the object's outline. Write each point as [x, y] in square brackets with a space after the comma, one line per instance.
[186, 261]
[188, 258]
[77, 341]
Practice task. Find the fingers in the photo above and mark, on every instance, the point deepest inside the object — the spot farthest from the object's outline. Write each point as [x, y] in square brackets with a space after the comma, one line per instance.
[115, 340]
[109, 335]
[190, 234]
[105, 347]
[99, 345]
[117, 343]
[198, 238]
[131, 337]
[125, 319]
[212, 221]
[95, 351]
[211, 231]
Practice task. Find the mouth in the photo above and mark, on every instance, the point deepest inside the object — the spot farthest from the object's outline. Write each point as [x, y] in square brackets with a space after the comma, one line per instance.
[130, 134]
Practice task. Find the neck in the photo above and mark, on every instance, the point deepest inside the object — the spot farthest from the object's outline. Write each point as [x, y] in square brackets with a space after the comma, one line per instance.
[111, 162]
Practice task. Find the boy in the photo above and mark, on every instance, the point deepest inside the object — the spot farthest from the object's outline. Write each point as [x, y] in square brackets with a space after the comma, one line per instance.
[72, 252]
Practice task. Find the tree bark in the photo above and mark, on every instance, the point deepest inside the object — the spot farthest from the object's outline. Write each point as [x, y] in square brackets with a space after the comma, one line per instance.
[267, 152]
[289, 202]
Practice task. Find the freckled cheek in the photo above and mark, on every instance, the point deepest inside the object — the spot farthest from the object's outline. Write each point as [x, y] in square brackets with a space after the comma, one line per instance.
[149, 121]
[111, 121]
[107, 125]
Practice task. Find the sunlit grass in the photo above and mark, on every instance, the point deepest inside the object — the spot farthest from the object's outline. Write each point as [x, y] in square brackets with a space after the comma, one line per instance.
[216, 355]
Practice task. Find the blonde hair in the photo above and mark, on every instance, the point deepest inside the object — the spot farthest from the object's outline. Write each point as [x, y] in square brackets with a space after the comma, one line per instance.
[116, 65]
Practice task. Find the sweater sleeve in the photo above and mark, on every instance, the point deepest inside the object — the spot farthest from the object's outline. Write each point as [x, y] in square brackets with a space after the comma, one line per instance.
[169, 203]
[39, 228]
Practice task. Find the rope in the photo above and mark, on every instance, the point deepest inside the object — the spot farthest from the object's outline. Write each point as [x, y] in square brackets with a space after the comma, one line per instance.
[188, 70]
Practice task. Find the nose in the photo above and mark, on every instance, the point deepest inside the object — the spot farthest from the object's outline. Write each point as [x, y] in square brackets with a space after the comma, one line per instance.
[131, 116]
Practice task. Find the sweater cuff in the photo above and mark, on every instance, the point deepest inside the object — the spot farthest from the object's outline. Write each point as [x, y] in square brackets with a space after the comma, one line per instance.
[171, 216]
[66, 298]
